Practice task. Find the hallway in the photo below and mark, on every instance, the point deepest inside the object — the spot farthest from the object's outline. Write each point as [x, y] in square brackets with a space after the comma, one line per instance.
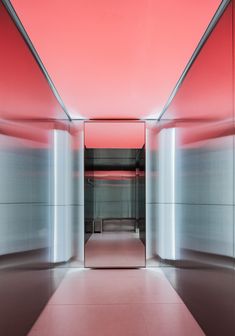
[117, 168]
[119, 249]
[138, 302]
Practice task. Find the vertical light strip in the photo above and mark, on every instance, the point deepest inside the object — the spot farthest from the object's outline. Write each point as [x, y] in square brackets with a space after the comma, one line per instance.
[173, 149]
[163, 185]
[147, 192]
[55, 145]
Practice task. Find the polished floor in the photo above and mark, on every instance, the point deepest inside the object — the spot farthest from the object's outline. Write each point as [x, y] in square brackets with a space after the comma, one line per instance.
[115, 249]
[137, 302]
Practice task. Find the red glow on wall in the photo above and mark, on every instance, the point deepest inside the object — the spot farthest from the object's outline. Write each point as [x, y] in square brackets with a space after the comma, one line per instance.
[114, 134]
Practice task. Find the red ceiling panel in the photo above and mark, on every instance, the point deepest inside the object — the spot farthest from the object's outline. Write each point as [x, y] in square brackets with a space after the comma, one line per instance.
[115, 59]
[114, 134]
[207, 91]
[24, 91]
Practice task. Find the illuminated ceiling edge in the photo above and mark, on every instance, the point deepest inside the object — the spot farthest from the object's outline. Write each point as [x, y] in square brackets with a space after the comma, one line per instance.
[222, 7]
[10, 9]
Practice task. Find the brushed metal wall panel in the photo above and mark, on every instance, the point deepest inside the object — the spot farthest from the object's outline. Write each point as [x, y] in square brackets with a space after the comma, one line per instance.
[152, 191]
[111, 190]
[24, 227]
[205, 172]
[205, 228]
[152, 230]
[115, 209]
[78, 185]
[24, 172]
[78, 232]
[78, 164]
[152, 164]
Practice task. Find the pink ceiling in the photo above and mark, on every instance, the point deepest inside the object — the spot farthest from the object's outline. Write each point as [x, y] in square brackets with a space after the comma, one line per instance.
[115, 59]
[114, 134]
[206, 92]
[24, 91]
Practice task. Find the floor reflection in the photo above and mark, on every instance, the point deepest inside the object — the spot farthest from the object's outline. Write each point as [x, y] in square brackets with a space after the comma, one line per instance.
[27, 281]
[210, 296]
[115, 249]
[136, 302]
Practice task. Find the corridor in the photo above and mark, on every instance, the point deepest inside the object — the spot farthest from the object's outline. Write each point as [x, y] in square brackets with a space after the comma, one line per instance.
[117, 168]
[117, 249]
[138, 302]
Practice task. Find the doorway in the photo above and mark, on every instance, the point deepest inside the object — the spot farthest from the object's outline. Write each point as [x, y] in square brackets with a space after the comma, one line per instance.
[114, 207]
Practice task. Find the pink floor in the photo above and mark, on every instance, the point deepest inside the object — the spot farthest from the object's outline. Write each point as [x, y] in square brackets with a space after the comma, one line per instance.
[138, 302]
[115, 249]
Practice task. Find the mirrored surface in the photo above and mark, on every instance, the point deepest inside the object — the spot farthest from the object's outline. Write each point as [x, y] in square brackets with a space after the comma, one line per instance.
[114, 208]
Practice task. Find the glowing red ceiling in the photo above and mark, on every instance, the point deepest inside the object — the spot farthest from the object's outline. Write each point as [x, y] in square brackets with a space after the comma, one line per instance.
[114, 134]
[115, 59]
[206, 92]
[24, 91]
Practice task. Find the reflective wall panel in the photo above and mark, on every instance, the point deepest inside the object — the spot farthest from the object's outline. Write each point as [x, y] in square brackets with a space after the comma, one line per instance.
[152, 192]
[41, 216]
[141, 193]
[77, 132]
[190, 199]
[114, 208]
[28, 106]
[26, 279]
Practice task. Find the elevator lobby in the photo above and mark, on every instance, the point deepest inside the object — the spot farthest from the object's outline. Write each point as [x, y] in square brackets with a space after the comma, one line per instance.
[117, 168]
